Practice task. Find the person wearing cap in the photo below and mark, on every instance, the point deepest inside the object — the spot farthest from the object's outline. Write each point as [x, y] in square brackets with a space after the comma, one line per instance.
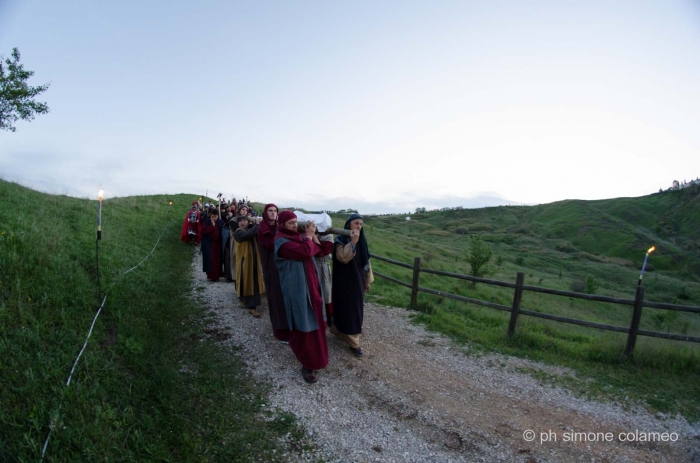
[301, 292]
[352, 276]
[211, 245]
[190, 227]
[266, 237]
[249, 277]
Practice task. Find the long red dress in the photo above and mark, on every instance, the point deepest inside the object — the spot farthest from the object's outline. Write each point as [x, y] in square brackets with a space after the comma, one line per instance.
[310, 348]
[187, 226]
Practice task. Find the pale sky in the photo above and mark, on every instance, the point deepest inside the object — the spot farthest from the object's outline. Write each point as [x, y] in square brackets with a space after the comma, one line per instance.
[377, 105]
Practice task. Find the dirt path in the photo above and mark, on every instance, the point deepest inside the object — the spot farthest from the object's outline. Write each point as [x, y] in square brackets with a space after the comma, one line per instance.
[417, 397]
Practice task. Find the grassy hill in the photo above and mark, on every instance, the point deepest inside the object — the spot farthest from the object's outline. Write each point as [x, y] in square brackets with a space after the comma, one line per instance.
[133, 396]
[559, 246]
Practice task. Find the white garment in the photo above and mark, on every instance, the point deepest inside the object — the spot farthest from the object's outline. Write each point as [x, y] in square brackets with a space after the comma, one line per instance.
[323, 221]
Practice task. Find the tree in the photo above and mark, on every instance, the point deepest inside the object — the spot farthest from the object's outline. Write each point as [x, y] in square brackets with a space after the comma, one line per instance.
[479, 255]
[16, 97]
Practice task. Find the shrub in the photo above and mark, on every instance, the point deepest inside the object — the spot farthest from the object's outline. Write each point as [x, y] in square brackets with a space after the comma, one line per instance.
[566, 246]
[591, 284]
[481, 227]
[437, 233]
[479, 255]
[578, 286]
[663, 320]
[522, 230]
[520, 260]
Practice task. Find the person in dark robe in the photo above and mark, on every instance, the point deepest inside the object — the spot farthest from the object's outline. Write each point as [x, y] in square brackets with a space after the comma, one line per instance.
[227, 240]
[352, 276]
[203, 217]
[249, 277]
[266, 237]
[205, 241]
[190, 227]
[211, 257]
[301, 292]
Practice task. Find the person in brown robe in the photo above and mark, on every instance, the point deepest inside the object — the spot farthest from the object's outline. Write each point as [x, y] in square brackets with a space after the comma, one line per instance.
[249, 277]
[266, 238]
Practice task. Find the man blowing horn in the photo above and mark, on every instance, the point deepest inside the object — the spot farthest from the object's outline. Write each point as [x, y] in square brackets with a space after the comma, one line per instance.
[352, 276]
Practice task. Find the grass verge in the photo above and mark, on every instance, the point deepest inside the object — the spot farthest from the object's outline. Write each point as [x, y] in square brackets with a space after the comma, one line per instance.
[151, 385]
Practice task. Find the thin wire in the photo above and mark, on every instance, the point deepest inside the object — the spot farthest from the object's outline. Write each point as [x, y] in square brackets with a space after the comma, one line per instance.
[94, 320]
[70, 376]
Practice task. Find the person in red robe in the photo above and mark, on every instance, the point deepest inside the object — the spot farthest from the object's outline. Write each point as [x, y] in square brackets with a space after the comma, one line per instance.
[211, 230]
[190, 227]
[301, 292]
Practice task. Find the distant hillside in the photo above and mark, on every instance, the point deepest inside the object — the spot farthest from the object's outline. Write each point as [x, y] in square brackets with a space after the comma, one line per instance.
[627, 227]
[619, 230]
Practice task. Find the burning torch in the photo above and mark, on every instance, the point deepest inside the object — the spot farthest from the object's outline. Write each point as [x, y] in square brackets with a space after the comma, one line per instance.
[644, 266]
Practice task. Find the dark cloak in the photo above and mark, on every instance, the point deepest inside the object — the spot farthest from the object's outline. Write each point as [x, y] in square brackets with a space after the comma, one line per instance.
[275, 302]
[348, 291]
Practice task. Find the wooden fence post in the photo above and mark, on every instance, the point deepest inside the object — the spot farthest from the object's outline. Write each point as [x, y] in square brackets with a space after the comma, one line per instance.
[517, 297]
[636, 317]
[414, 286]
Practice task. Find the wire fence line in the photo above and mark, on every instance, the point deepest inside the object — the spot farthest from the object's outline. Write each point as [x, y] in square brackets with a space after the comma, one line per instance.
[54, 420]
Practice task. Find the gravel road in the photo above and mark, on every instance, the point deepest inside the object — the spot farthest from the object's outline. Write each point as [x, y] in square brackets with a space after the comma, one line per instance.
[417, 397]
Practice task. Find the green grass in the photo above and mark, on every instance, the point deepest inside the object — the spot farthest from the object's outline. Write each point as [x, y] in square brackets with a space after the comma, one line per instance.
[154, 385]
[151, 385]
[558, 246]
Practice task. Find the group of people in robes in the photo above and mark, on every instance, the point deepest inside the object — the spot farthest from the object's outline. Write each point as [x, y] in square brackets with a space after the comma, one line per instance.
[292, 266]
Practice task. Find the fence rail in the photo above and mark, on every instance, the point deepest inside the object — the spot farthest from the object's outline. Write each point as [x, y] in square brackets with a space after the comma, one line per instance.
[519, 288]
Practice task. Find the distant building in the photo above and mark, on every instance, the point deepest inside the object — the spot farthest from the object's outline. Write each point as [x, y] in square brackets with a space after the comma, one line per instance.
[676, 185]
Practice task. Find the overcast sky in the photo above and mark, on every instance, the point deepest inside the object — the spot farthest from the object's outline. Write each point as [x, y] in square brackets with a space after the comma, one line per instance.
[381, 106]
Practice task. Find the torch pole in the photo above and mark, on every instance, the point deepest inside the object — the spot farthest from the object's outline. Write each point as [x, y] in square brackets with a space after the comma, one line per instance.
[99, 217]
[644, 265]
[97, 242]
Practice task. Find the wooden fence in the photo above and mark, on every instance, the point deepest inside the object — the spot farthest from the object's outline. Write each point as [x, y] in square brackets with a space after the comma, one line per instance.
[519, 287]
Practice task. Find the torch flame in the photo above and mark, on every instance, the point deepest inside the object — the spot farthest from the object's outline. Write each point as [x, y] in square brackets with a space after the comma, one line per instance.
[99, 194]
[171, 202]
[651, 249]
